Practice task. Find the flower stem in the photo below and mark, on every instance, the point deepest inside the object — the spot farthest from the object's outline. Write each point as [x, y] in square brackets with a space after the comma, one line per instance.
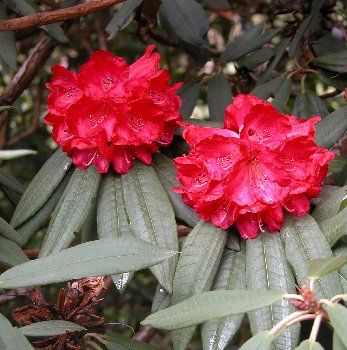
[294, 296]
[287, 319]
[315, 328]
[338, 297]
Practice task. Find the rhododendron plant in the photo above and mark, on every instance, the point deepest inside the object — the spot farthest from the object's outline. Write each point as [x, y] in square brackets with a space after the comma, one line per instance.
[113, 112]
[259, 163]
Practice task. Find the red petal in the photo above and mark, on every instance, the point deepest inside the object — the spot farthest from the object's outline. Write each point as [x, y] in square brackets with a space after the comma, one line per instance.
[236, 112]
[297, 204]
[248, 225]
[146, 65]
[104, 76]
[122, 161]
[264, 125]
[65, 90]
[273, 217]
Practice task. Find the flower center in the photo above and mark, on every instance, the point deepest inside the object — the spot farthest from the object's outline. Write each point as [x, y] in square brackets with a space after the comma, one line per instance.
[107, 83]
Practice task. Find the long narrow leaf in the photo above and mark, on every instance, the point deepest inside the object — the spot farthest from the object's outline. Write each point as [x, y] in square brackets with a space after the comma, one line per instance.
[97, 258]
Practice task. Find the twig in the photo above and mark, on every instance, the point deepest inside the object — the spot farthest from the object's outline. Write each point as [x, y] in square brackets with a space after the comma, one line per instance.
[32, 253]
[13, 294]
[26, 73]
[330, 94]
[100, 31]
[146, 333]
[41, 18]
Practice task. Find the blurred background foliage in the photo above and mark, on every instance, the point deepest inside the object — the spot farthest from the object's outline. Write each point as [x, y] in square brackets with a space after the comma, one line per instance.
[218, 48]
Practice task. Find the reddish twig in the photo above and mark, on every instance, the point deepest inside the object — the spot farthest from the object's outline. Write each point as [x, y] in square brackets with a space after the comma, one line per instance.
[146, 333]
[41, 18]
[32, 253]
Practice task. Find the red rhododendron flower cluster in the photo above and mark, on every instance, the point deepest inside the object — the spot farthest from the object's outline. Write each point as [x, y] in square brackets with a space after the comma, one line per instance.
[113, 112]
[259, 163]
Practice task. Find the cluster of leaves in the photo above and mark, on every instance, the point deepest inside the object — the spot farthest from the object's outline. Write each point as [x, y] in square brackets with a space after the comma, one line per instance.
[216, 279]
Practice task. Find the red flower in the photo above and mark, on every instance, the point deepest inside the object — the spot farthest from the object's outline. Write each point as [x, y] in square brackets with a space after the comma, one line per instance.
[112, 112]
[247, 172]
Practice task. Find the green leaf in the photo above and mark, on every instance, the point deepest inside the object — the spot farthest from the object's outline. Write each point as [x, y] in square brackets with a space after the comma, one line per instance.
[97, 258]
[321, 267]
[304, 241]
[265, 90]
[11, 182]
[231, 275]
[267, 269]
[331, 128]
[122, 17]
[308, 104]
[282, 95]
[50, 328]
[338, 316]
[337, 344]
[151, 216]
[336, 61]
[247, 42]
[8, 52]
[343, 204]
[303, 29]
[309, 345]
[89, 231]
[13, 154]
[261, 341]
[342, 250]
[328, 44]
[329, 202]
[187, 22]
[112, 220]
[339, 81]
[41, 187]
[166, 172]
[72, 210]
[120, 342]
[28, 7]
[189, 94]
[11, 338]
[9, 232]
[161, 299]
[197, 266]
[335, 227]
[33, 224]
[256, 58]
[218, 96]
[111, 216]
[338, 164]
[10, 253]
[279, 49]
[210, 305]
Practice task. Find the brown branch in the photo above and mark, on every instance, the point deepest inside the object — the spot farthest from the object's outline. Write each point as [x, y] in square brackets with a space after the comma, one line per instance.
[26, 73]
[330, 94]
[41, 18]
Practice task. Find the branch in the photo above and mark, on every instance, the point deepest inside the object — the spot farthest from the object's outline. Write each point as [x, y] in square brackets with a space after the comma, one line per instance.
[26, 73]
[41, 18]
